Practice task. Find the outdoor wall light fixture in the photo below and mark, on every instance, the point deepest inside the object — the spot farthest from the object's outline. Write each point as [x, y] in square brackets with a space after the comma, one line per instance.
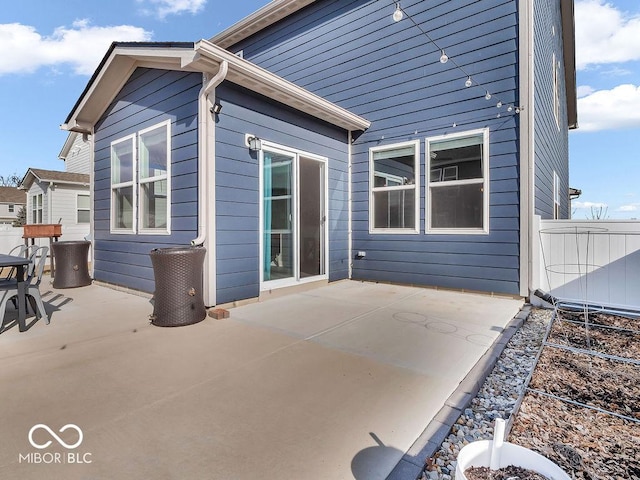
[216, 109]
[255, 144]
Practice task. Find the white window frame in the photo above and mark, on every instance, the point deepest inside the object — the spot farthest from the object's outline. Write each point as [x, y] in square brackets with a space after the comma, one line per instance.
[12, 208]
[484, 230]
[165, 176]
[556, 90]
[556, 196]
[37, 215]
[131, 183]
[78, 209]
[295, 154]
[415, 187]
[138, 182]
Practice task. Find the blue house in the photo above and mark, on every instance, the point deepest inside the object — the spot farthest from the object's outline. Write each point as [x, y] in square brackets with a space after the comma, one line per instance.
[410, 142]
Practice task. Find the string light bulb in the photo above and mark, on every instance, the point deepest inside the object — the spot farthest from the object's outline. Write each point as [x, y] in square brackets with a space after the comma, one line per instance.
[397, 15]
[510, 108]
[499, 105]
[443, 57]
[468, 83]
[487, 96]
[517, 109]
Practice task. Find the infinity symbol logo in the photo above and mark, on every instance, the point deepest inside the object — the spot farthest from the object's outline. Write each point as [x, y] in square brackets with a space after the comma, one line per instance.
[53, 434]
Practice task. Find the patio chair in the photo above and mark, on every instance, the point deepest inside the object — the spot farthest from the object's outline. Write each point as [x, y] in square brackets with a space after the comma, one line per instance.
[9, 290]
[19, 251]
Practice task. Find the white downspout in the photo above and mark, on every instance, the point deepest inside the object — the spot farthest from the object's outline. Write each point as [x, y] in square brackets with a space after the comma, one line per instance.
[350, 203]
[89, 137]
[206, 183]
[528, 231]
[203, 149]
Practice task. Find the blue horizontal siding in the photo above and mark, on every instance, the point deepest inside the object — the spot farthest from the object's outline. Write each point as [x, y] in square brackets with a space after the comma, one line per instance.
[551, 143]
[149, 97]
[237, 185]
[353, 54]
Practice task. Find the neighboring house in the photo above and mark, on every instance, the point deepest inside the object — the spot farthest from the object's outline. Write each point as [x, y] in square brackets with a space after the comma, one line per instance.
[76, 153]
[11, 201]
[322, 140]
[57, 197]
[63, 196]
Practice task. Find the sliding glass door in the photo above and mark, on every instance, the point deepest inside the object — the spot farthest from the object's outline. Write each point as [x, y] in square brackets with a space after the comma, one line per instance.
[293, 217]
[278, 216]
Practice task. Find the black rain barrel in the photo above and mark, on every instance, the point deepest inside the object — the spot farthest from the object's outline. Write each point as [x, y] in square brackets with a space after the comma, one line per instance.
[72, 269]
[178, 299]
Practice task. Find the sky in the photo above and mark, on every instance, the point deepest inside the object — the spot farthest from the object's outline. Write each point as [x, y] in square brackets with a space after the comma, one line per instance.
[50, 48]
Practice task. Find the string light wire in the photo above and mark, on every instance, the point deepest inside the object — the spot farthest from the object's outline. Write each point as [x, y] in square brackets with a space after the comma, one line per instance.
[399, 13]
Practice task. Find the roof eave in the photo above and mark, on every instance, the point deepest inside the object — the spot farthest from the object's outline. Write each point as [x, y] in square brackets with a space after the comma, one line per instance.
[203, 56]
[259, 80]
[29, 177]
[66, 148]
[114, 70]
[569, 55]
[271, 13]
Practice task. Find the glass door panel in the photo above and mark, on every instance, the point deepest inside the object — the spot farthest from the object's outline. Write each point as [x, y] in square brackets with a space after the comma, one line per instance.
[312, 217]
[278, 242]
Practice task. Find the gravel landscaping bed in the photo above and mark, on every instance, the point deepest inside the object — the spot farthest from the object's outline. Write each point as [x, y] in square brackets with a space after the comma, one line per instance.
[582, 405]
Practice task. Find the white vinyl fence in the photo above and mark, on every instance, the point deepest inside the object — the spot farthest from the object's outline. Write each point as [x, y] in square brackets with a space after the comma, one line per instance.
[592, 261]
[12, 236]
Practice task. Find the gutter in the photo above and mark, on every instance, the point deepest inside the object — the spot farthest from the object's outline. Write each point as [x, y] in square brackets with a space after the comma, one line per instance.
[203, 150]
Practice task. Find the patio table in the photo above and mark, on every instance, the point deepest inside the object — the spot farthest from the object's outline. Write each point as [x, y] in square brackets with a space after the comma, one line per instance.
[19, 263]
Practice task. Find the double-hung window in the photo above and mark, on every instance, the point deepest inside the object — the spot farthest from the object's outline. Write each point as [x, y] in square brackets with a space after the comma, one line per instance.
[36, 208]
[123, 191]
[153, 156]
[140, 181]
[457, 183]
[394, 188]
[556, 196]
[82, 208]
[556, 89]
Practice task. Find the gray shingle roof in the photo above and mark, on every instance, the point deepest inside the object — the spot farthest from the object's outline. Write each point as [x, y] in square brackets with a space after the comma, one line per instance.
[13, 195]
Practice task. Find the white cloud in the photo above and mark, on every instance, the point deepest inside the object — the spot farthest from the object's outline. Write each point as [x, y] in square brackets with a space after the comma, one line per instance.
[589, 205]
[610, 109]
[24, 50]
[633, 207]
[584, 90]
[605, 34]
[163, 8]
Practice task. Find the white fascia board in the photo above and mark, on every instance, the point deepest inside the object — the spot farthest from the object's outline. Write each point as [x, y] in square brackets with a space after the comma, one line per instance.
[114, 74]
[27, 180]
[68, 143]
[259, 80]
[268, 15]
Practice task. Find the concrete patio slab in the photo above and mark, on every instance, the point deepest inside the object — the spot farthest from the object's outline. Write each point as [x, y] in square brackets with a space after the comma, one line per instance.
[318, 384]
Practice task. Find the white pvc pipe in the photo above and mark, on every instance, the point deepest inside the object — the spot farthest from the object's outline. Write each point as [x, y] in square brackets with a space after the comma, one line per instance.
[496, 445]
[203, 150]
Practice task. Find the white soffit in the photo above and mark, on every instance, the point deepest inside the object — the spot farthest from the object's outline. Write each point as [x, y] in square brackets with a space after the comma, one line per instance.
[114, 73]
[259, 80]
[203, 57]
